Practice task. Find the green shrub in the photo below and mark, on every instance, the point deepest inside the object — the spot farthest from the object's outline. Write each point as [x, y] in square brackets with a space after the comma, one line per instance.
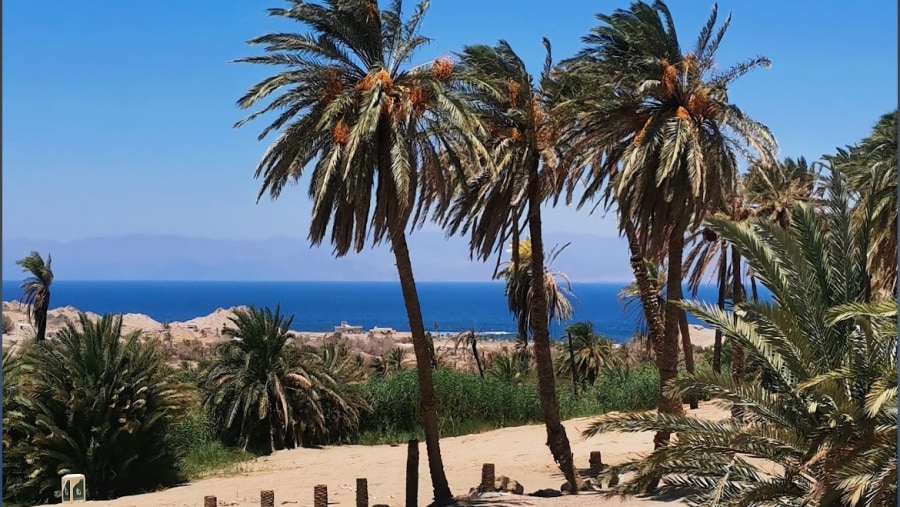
[624, 388]
[463, 399]
[466, 403]
[97, 403]
[203, 453]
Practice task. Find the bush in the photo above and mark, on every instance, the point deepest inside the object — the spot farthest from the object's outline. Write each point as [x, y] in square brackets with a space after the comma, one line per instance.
[627, 388]
[203, 454]
[462, 399]
[8, 325]
[265, 393]
[109, 417]
[467, 404]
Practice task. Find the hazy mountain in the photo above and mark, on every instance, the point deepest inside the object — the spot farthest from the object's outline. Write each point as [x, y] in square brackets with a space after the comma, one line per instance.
[158, 257]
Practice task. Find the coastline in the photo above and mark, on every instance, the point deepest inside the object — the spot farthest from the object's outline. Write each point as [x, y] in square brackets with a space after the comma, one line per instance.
[207, 329]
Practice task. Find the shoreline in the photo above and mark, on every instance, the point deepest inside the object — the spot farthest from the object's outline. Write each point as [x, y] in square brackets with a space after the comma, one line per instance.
[208, 328]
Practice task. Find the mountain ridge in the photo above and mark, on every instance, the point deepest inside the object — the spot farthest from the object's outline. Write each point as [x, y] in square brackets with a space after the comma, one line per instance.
[589, 258]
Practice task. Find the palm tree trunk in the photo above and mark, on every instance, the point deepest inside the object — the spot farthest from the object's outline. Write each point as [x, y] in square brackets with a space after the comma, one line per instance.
[557, 440]
[753, 290]
[650, 301]
[688, 352]
[521, 322]
[723, 289]
[667, 355]
[572, 364]
[737, 296]
[475, 354]
[41, 332]
[442, 494]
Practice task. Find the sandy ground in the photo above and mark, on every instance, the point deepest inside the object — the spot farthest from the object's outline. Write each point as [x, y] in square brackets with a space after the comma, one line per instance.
[518, 453]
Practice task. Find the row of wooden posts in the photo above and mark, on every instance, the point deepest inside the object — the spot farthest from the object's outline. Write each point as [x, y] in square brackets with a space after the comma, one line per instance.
[320, 492]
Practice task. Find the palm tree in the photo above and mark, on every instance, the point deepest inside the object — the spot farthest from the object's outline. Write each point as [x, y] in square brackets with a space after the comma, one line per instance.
[267, 394]
[468, 339]
[822, 407]
[15, 419]
[390, 362]
[508, 367]
[519, 169]
[661, 137]
[767, 190]
[591, 352]
[36, 291]
[630, 296]
[376, 132]
[871, 168]
[100, 403]
[771, 190]
[517, 273]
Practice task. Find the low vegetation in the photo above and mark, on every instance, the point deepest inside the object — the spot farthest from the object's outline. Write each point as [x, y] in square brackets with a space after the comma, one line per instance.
[258, 392]
[92, 401]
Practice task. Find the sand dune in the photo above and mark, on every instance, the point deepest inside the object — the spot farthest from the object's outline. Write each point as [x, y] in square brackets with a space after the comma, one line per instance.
[518, 453]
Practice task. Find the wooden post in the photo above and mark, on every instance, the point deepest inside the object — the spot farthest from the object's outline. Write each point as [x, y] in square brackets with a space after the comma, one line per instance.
[487, 477]
[412, 474]
[210, 501]
[596, 463]
[362, 493]
[267, 498]
[320, 496]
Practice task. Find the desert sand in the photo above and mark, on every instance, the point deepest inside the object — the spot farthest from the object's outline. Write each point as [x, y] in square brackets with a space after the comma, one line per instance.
[518, 453]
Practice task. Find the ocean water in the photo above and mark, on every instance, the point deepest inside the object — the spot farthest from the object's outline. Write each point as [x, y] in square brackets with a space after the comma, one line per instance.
[319, 306]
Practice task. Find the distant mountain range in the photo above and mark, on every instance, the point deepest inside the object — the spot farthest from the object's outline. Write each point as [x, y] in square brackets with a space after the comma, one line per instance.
[589, 258]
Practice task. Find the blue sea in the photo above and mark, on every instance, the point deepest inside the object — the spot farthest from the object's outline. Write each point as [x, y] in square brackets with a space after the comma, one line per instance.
[447, 307]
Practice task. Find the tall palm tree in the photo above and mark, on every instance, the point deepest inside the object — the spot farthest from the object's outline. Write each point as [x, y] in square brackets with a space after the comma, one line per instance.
[36, 291]
[630, 297]
[519, 294]
[516, 177]
[822, 407]
[372, 128]
[661, 137]
[871, 168]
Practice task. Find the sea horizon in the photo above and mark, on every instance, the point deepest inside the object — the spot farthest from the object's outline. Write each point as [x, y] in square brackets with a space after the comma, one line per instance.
[318, 306]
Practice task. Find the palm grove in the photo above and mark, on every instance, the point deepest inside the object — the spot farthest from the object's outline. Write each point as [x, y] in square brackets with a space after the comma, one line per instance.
[638, 123]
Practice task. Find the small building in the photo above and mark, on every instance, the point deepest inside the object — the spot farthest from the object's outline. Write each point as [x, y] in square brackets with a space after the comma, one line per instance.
[347, 328]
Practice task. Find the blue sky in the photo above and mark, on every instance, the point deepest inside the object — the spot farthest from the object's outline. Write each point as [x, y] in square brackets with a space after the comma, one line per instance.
[117, 116]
